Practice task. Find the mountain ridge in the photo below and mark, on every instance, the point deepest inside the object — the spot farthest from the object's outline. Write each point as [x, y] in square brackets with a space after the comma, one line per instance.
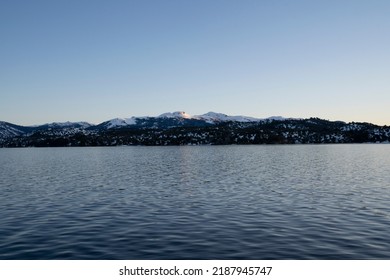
[180, 128]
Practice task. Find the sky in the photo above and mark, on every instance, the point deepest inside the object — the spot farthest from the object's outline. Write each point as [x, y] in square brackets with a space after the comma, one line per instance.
[97, 60]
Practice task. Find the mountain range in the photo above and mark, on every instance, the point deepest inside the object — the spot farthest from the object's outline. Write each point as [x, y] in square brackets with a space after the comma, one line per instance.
[180, 128]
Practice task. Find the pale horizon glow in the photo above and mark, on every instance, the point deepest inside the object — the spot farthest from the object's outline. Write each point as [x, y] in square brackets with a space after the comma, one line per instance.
[98, 60]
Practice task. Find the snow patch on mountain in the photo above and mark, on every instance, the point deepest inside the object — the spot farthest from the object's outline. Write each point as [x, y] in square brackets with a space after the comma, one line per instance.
[6, 130]
[212, 117]
[68, 124]
[117, 122]
[177, 114]
[277, 118]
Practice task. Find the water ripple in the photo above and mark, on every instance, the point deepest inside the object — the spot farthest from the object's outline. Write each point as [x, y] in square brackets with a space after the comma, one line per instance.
[222, 202]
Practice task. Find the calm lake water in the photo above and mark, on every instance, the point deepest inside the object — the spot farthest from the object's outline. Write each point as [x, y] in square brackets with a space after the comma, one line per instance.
[208, 202]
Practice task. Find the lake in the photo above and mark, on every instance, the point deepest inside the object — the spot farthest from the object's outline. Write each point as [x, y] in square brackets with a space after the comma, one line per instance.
[196, 202]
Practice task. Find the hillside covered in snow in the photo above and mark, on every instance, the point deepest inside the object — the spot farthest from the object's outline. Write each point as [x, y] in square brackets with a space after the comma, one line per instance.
[180, 128]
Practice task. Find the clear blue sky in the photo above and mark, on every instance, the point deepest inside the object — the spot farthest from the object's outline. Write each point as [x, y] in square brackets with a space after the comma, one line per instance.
[96, 60]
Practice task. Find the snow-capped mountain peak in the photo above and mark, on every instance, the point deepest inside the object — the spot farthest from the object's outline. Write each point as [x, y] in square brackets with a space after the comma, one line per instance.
[180, 128]
[9, 130]
[177, 114]
[212, 117]
[117, 122]
[170, 119]
[67, 124]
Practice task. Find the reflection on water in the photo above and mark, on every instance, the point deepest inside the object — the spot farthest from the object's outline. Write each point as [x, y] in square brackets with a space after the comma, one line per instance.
[212, 202]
